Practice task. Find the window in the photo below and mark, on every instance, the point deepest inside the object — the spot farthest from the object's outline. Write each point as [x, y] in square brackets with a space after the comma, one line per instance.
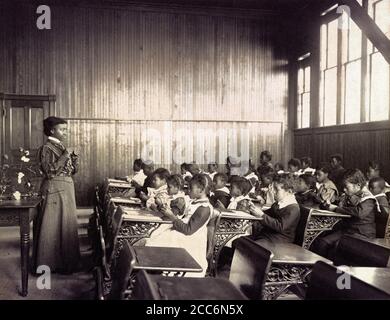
[328, 76]
[351, 68]
[377, 106]
[303, 114]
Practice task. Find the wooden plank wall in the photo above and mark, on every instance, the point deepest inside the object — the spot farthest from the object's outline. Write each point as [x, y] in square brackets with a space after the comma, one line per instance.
[358, 143]
[117, 73]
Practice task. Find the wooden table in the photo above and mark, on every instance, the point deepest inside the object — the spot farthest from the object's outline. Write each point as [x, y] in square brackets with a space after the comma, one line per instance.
[230, 224]
[376, 277]
[20, 213]
[291, 264]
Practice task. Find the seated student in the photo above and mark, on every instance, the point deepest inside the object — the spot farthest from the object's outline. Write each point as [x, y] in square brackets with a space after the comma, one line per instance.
[194, 169]
[373, 171]
[377, 187]
[279, 168]
[178, 201]
[212, 169]
[360, 204]
[158, 193]
[337, 171]
[184, 172]
[306, 166]
[294, 165]
[239, 189]
[265, 192]
[148, 169]
[138, 179]
[306, 191]
[327, 190]
[233, 166]
[189, 232]
[220, 192]
[278, 223]
[265, 160]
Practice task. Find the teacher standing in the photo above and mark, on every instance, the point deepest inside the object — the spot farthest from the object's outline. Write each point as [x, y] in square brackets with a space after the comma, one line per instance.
[57, 244]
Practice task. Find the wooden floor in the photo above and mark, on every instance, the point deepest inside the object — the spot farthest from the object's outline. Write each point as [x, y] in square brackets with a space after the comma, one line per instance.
[79, 286]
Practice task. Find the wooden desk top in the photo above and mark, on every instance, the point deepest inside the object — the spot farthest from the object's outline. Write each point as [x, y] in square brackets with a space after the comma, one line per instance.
[143, 215]
[22, 203]
[134, 201]
[325, 213]
[377, 277]
[167, 259]
[235, 214]
[380, 242]
[176, 288]
[293, 254]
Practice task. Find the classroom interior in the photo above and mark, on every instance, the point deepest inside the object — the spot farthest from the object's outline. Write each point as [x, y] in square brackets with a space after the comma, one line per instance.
[199, 82]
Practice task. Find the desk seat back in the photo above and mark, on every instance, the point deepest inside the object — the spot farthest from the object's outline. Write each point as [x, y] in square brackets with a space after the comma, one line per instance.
[325, 282]
[302, 225]
[355, 252]
[382, 221]
[121, 272]
[250, 266]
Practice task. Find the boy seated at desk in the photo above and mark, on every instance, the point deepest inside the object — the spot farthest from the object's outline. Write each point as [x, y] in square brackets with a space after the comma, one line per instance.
[178, 201]
[362, 207]
[220, 192]
[377, 186]
[190, 231]
[264, 191]
[158, 193]
[239, 189]
[278, 223]
[138, 179]
[306, 191]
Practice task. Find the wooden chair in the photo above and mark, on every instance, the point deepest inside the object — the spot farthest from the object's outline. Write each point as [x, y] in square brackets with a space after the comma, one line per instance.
[352, 251]
[155, 259]
[324, 282]
[156, 287]
[382, 221]
[250, 266]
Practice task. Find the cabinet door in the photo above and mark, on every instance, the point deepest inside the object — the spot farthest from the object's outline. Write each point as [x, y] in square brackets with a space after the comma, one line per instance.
[23, 124]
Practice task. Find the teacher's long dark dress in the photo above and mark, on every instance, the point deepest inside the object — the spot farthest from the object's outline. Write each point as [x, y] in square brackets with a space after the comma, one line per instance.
[57, 244]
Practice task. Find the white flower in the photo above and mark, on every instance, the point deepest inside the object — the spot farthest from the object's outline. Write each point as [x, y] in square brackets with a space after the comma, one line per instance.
[20, 176]
[27, 152]
[25, 159]
[16, 195]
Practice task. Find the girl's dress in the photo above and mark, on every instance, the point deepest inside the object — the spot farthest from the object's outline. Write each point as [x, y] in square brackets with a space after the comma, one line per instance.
[160, 193]
[57, 242]
[180, 235]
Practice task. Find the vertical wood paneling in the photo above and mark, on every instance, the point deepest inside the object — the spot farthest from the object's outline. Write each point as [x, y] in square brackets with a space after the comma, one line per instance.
[359, 144]
[196, 72]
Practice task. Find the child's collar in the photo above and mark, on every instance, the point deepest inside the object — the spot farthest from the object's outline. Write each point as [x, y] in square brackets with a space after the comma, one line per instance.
[288, 200]
[380, 195]
[223, 189]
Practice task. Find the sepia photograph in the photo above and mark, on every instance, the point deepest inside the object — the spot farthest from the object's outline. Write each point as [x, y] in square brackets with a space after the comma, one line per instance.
[207, 151]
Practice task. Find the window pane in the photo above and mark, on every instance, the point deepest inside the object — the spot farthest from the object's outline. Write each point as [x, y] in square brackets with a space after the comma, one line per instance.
[352, 92]
[299, 112]
[379, 104]
[324, 40]
[330, 94]
[332, 43]
[307, 79]
[355, 41]
[300, 80]
[382, 16]
[306, 110]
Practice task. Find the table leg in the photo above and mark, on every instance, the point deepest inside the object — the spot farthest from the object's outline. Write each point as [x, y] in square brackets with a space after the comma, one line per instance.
[24, 250]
